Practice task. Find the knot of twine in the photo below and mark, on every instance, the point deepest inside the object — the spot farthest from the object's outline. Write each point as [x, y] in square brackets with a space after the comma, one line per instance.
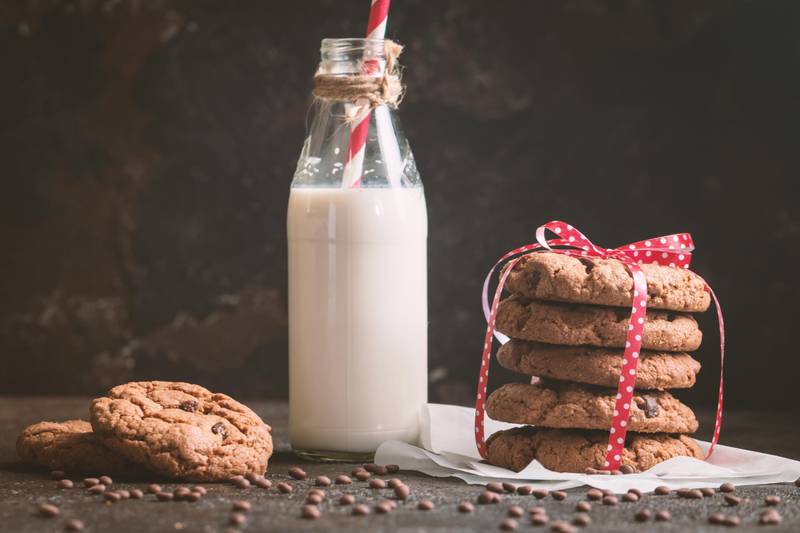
[384, 89]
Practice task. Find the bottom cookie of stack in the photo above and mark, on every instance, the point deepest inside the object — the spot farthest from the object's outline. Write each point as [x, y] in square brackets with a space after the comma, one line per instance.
[576, 450]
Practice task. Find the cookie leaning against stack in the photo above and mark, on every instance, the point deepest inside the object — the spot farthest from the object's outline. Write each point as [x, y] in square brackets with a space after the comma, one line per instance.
[175, 430]
[567, 318]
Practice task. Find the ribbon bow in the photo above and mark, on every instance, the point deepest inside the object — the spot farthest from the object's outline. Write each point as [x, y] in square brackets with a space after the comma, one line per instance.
[670, 250]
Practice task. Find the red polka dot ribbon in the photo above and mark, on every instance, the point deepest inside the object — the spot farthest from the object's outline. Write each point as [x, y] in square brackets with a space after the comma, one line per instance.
[671, 250]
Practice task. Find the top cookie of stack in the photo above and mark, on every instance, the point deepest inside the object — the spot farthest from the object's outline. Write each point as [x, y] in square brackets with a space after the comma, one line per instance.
[568, 320]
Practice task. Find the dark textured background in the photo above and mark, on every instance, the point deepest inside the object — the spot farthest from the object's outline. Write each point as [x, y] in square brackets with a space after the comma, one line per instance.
[147, 149]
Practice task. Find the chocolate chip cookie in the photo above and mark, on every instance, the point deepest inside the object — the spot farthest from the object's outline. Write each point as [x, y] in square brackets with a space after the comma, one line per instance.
[70, 446]
[567, 405]
[597, 366]
[576, 450]
[576, 325]
[182, 430]
[588, 280]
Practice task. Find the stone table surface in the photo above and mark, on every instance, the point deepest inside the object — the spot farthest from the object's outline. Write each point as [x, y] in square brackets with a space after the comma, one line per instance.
[22, 489]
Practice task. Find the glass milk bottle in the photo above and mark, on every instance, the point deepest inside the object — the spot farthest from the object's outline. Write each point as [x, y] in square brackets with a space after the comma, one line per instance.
[357, 276]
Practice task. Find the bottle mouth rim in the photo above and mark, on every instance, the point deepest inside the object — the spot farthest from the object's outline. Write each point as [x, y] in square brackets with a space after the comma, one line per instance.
[340, 47]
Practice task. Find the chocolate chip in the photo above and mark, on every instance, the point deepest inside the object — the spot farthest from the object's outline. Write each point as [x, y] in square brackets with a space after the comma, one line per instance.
[65, 484]
[362, 475]
[347, 499]
[57, 474]
[192, 497]
[252, 477]
[164, 496]
[124, 494]
[727, 487]
[370, 467]
[425, 505]
[731, 521]
[394, 482]
[356, 470]
[707, 492]
[608, 492]
[73, 524]
[582, 519]
[465, 507]
[341, 479]
[583, 507]
[285, 488]
[597, 472]
[136, 494]
[488, 497]
[200, 490]
[772, 499]
[313, 499]
[262, 483]
[691, 494]
[384, 507]
[153, 488]
[662, 490]
[310, 512]
[594, 494]
[539, 493]
[97, 489]
[562, 527]
[105, 480]
[241, 482]
[495, 487]
[318, 492]
[663, 516]
[630, 497]
[635, 491]
[402, 492]
[297, 473]
[770, 517]
[112, 497]
[643, 515]
[360, 510]
[190, 406]
[392, 468]
[610, 500]
[537, 510]
[90, 481]
[242, 505]
[237, 519]
[559, 495]
[627, 469]
[509, 487]
[377, 484]
[539, 519]
[180, 493]
[515, 511]
[220, 429]
[49, 510]
[508, 524]
[716, 518]
[650, 406]
[616, 472]
[524, 490]
[380, 470]
[732, 500]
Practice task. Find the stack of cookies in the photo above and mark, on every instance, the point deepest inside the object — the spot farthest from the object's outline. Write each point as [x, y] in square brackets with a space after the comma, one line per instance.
[568, 318]
[172, 429]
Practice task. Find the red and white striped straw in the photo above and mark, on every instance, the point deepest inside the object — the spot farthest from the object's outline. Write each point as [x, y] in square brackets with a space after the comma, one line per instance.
[354, 165]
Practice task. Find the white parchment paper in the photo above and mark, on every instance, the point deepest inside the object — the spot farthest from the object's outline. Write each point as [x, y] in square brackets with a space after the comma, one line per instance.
[448, 450]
